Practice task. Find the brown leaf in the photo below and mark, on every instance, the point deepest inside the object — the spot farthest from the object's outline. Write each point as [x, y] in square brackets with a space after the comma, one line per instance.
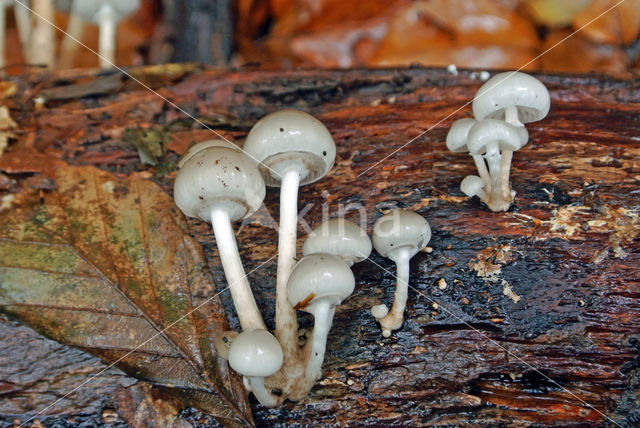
[604, 22]
[106, 265]
[141, 403]
[579, 55]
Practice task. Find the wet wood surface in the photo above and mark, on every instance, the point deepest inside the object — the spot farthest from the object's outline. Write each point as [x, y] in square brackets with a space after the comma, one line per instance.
[529, 317]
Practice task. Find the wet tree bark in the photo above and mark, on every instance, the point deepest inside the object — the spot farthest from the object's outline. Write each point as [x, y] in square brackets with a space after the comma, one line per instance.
[529, 317]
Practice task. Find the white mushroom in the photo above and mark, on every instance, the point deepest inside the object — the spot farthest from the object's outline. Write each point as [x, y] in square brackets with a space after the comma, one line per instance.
[221, 185]
[341, 238]
[473, 185]
[398, 235]
[256, 354]
[293, 149]
[457, 142]
[316, 285]
[516, 98]
[42, 39]
[490, 138]
[107, 14]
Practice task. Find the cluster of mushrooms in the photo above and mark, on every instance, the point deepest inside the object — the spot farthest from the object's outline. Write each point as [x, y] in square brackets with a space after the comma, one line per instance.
[219, 183]
[501, 107]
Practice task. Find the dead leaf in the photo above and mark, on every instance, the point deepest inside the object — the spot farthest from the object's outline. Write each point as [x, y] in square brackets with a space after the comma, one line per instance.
[579, 55]
[141, 403]
[106, 265]
[101, 86]
[8, 89]
[150, 143]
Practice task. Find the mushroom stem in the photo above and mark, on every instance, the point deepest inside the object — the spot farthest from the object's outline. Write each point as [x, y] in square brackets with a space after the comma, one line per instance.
[42, 50]
[483, 172]
[286, 321]
[256, 385]
[511, 116]
[69, 46]
[323, 313]
[505, 169]
[393, 320]
[245, 304]
[23, 22]
[107, 36]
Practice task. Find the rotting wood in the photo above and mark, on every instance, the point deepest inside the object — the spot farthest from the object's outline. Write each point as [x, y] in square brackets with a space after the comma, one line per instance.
[568, 248]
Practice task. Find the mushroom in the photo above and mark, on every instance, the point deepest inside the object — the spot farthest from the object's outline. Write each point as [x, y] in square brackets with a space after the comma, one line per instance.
[457, 142]
[473, 185]
[293, 149]
[339, 237]
[516, 98]
[107, 14]
[42, 38]
[491, 138]
[318, 283]
[221, 185]
[256, 354]
[398, 235]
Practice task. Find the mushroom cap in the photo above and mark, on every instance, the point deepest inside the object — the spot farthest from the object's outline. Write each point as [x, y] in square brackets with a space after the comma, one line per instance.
[472, 185]
[319, 277]
[525, 92]
[218, 142]
[400, 229]
[458, 134]
[88, 9]
[291, 139]
[218, 178]
[489, 131]
[341, 238]
[255, 353]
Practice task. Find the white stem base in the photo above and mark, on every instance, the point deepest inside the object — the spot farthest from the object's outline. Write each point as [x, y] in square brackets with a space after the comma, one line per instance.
[245, 304]
[107, 36]
[256, 385]
[393, 320]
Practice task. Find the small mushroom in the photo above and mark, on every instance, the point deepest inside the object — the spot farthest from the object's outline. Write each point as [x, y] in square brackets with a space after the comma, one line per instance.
[256, 354]
[107, 14]
[490, 138]
[399, 236]
[457, 142]
[339, 237]
[293, 149]
[473, 185]
[516, 98]
[221, 185]
[318, 283]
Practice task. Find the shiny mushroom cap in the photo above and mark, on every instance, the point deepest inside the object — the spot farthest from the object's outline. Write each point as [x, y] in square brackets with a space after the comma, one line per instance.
[401, 229]
[472, 185]
[218, 178]
[88, 9]
[492, 131]
[255, 353]
[218, 142]
[290, 139]
[525, 92]
[458, 133]
[319, 277]
[341, 238]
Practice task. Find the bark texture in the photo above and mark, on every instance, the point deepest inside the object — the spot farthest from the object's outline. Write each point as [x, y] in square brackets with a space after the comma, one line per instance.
[529, 317]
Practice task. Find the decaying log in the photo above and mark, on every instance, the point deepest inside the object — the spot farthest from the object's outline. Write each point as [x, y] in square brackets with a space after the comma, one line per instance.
[519, 318]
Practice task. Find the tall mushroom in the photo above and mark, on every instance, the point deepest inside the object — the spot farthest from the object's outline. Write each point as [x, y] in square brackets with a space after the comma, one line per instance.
[491, 138]
[318, 283]
[256, 354]
[516, 98]
[399, 236]
[293, 149]
[219, 184]
[457, 142]
[107, 14]
[341, 238]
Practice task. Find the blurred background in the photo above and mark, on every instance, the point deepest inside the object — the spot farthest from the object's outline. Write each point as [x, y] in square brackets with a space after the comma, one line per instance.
[481, 34]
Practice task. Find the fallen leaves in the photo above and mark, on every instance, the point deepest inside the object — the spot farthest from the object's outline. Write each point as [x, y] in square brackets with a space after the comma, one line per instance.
[6, 125]
[106, 265]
